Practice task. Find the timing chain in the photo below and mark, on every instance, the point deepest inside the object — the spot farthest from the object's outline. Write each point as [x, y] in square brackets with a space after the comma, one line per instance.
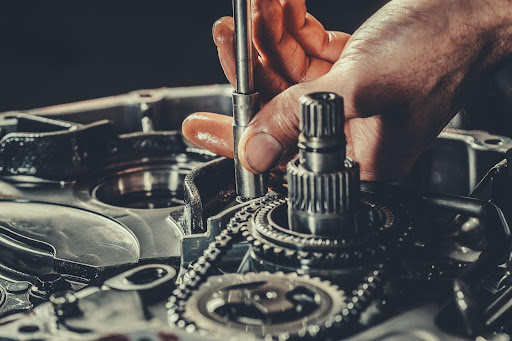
[200, 270]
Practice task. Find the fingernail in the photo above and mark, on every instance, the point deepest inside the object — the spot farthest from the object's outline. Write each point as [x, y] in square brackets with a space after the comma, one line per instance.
[263, 152]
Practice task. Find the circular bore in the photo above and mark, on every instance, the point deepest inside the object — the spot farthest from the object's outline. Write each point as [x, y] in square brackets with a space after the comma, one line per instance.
[144, 187]
[271, 306]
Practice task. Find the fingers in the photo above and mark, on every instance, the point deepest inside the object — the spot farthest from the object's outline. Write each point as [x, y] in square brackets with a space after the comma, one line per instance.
[288, 40]
[213, 132]
[222, 32]
[275, 44]
[294, 14]
[280, 119]
[294, 42]
[266, 79]
[271, 138]
[268, 82]
[310, 33]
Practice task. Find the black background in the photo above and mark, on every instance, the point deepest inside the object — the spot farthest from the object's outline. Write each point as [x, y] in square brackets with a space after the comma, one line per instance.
[59, 52]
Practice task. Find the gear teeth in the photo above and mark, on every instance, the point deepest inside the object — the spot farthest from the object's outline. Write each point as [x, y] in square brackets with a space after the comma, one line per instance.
[329, 193]
[349, 311]
[278, 245]
[191, 318]
[322, 115]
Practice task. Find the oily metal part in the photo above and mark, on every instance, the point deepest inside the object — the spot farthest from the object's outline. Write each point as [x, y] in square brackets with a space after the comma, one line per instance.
[391, 228]
[465, 143]
[245, 101]
[264, 304]
[201, 270]
[323, 183]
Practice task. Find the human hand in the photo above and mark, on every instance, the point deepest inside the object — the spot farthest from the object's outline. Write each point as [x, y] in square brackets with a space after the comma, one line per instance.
[403, 75]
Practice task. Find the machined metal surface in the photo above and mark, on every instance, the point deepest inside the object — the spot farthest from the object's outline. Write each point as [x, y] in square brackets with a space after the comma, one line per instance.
[264, 305]
[248, 185]
[245, 100]
[146, 187]
[112, 232]
[242, 14]
[323, 182]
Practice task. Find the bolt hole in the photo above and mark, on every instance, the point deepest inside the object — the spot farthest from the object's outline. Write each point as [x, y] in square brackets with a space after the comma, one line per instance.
[146, 276]
[28, 329]
[49, 277]
[494, 142]
[144, 94]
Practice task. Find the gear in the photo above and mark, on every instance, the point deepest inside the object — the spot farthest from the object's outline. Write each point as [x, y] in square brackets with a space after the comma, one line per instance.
[271, 306]
[200, 272]
[323, 184]
[275, 306]
[322, 116]
[324, 193]
[271, 239]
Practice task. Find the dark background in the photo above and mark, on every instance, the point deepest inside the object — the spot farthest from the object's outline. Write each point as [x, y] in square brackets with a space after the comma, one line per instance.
[58, 52]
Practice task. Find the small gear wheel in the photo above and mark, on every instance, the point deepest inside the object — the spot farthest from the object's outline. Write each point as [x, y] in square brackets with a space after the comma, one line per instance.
[387, 227]
[272, 306]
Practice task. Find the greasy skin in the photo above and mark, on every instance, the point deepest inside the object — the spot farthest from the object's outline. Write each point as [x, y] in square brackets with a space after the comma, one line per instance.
[210, 131]
[286, 38]
[403, 75]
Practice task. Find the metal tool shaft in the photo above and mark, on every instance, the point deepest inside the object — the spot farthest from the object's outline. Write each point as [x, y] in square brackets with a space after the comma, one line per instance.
[242, 13]
[245, 100]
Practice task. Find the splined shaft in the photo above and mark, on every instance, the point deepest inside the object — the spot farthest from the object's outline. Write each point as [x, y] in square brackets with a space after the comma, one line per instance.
[323, 184]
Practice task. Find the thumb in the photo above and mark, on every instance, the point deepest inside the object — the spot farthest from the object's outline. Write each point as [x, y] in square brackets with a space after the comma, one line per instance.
[271, 137]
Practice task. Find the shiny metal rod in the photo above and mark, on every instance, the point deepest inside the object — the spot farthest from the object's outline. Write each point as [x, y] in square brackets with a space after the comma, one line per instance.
[242, 14]
[245, 100]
